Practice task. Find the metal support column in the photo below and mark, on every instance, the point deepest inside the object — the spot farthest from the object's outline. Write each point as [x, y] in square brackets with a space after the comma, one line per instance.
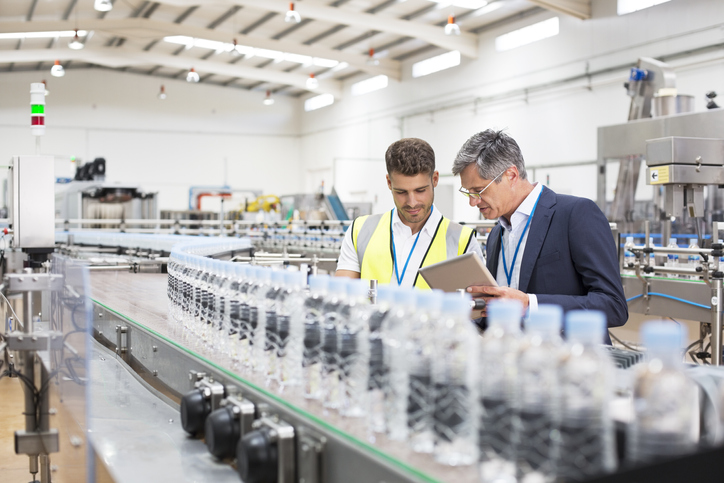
[716, 321]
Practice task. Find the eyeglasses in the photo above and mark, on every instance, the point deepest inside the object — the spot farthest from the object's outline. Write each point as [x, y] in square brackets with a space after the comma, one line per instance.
[478, 195]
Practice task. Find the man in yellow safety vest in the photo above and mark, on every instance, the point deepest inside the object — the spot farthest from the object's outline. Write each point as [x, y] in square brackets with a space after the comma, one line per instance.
[392, 246]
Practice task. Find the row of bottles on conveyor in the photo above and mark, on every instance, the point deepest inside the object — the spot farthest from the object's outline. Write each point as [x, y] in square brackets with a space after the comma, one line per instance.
[524, 405]
[670, 260]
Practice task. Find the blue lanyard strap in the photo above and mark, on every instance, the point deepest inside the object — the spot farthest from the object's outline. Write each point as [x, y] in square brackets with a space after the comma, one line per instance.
[509, 274]
[394, 252]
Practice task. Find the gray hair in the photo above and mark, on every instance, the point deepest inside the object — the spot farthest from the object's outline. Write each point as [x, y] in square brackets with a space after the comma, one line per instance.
[492, 152]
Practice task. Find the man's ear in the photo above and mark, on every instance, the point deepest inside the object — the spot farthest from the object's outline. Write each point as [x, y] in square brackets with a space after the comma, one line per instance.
[435, 179]
[389, 182]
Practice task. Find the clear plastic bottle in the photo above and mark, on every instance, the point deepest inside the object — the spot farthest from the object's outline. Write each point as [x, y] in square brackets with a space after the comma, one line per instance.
[333, 319]
[378, 370]
[420, 347]
[269, 325]
[672, 259]
[246, 329]
[216, 303]
[394, 337]
[353, 350]
[313, 313]
[587, 385]
[454, 377]
[171, 269]
[693, 259]
[628, 256]
[233, 302]
[666, 406]
[256, 334]
[538, 394]
[498, 356]
[291, 330]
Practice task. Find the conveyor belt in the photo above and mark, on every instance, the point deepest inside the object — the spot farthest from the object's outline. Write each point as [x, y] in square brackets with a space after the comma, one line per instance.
[140, 300]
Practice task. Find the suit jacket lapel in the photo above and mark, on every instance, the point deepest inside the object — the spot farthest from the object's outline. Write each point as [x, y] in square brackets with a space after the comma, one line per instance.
[493, 249]
[536, 235]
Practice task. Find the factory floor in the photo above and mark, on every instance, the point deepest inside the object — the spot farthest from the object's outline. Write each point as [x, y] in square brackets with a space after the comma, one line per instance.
[67, 466]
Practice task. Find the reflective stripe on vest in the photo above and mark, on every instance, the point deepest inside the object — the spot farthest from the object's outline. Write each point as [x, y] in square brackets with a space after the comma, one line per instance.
[371, 240]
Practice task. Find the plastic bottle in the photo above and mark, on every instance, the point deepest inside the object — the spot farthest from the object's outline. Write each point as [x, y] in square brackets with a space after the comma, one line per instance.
[420, 347]
[269, 324]
[378, 369]
[672, 259]
[333, 319]
[666, 406]
[291, 330]
[394, 336]
[538, 394]
[454, 377]
[256, 333]
[353, 350]
[313, 313]
[499, 349]
[587, 385]
[693, 259]
[232, 311]
[628, 257]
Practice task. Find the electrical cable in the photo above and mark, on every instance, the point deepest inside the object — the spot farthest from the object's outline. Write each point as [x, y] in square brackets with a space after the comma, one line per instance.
[622, 342]
[666, 296]
[17, 319]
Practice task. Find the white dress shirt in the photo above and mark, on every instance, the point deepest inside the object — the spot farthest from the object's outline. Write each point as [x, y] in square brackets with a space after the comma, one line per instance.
[511, 236]
[404, 240]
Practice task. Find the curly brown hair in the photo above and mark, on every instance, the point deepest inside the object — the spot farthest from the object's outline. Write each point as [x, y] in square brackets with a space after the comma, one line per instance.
[410, 157]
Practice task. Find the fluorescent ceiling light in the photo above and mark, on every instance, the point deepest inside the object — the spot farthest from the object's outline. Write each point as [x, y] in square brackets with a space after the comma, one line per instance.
[275, 55]
[527, 35]
[318, 102]
[469, 4]
[491, 7]
[369, 85]
[629, 6]
[42, 35]
[436, 64]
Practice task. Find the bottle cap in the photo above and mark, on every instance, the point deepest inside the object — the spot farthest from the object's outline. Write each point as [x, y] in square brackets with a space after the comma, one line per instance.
[585, 326]
[277, 277]
[672, 241]
[429, 300]
[547, 319]
[293, 278]
[505, 313]
[385, 294]
[457, 304]
[693, 241]
[337, 285]
[318, 283]
[406, 297]
[358, 288]
[263, 274]
[662, 336]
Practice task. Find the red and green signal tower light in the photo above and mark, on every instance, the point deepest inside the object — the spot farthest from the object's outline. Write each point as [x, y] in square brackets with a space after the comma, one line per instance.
[37, 108]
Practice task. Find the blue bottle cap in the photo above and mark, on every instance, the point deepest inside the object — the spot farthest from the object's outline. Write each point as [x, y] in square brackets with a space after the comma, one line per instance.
[547, 319]
[318, 283]
[662, 336]
[505, 313]
[456, 304]
[587, 326]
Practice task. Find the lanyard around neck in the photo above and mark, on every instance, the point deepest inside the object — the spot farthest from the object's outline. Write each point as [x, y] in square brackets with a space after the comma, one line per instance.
[394, 252]
[509, 274]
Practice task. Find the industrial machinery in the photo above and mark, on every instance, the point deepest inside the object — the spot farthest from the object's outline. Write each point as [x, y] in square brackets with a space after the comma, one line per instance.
[88, 196]
[684, 156]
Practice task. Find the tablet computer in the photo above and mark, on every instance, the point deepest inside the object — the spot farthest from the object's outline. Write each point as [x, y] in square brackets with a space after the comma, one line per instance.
[458, 273]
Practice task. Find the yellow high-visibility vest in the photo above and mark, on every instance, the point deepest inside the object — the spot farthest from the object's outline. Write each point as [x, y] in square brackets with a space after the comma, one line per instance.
[373, 244]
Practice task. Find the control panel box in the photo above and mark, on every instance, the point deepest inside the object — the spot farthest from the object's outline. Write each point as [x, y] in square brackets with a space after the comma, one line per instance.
[32, 201]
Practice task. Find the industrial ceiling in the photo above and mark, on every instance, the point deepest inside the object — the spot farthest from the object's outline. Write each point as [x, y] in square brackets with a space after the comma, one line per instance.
[333, 40]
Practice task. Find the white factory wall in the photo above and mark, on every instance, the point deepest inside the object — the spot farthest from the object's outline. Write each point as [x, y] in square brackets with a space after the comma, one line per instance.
[201, 135]
[539, 93]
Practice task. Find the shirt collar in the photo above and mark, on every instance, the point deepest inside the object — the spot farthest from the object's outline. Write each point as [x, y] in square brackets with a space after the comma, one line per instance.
[429, 228]
[524, 209]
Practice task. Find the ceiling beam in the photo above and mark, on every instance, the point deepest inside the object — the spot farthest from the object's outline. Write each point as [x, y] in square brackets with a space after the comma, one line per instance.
[466, 43]
[576, 8]
[143, 29]
[120, 57]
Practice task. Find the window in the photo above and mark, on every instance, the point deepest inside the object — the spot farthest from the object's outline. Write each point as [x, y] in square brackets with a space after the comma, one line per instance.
[369, 85]
[436, 64]
[318, 102]
[629, 6]
[527, 35]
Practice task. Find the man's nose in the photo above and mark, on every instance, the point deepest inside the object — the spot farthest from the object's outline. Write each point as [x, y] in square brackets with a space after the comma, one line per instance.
[474, 200]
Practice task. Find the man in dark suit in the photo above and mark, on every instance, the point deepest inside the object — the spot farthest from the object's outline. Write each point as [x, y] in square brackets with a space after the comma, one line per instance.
[547, 248]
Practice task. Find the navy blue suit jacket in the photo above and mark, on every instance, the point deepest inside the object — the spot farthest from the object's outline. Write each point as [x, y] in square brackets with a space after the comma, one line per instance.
[570, 258]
